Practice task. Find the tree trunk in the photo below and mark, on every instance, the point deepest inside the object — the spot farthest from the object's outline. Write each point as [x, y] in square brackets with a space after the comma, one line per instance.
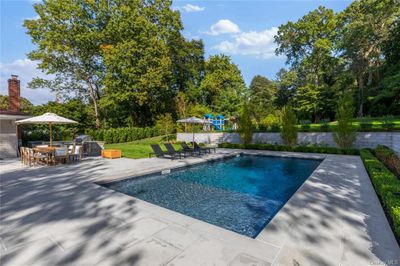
[360, 95]
[92, 94]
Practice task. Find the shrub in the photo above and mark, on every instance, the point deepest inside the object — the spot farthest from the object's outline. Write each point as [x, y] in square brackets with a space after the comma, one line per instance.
[345, 135]
[388, 123]
[275, 128]
[389, 158]
[387, 187]
[324, 127]
[119, 135]
[365, 126]
[271, 147]
[245, 125]
[262, 128]
[166, 124]
[289, 129]
[270, 120]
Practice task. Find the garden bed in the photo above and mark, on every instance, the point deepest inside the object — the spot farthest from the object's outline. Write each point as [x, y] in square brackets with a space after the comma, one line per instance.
[387, 187]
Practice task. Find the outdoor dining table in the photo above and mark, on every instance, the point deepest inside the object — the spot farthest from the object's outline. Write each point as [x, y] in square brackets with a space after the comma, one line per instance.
[48, 151]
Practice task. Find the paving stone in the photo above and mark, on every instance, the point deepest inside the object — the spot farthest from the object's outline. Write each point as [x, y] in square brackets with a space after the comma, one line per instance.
[245, 259]
[205, 252]
[177, 236]
[131, 233]
[38, 252]
[149, 252]
[87, 253]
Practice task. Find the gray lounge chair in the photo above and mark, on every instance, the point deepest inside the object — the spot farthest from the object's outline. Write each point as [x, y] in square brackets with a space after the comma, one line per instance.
[186, 148]
[159, 153]
[204, 149]
[171, 150]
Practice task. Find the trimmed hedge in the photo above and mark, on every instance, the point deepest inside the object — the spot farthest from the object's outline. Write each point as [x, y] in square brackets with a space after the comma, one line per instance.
[43, 134]
[387, 187]
[389, 158]
[126, 134]
[325, 127]
[271, 147]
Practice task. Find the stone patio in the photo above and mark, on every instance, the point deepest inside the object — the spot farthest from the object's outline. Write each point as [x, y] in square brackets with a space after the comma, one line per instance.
[59, 216]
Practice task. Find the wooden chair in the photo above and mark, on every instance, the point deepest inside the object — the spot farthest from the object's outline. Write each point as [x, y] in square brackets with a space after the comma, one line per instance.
[21, 154]
[34, 158]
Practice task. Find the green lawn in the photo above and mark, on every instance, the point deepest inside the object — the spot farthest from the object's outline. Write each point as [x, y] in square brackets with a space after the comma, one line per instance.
[362, 124]
[139, 148]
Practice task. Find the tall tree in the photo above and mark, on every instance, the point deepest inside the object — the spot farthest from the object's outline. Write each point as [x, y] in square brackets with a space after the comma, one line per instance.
[26, 105]
[385, 99]
[363, 30]
[262, 93]
[286, 86]
[309, 45]
[223, 86]
[138, 82]
[188, 64]
[68, 35]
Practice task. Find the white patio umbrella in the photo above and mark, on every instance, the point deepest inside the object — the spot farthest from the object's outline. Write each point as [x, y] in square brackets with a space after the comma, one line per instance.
[193, 120]
[47, 118]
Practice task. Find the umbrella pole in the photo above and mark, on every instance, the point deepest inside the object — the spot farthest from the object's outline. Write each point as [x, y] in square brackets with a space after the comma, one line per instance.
[51, 142]
[193, 135]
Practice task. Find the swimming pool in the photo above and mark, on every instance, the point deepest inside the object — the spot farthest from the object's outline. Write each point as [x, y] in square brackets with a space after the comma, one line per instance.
[241, 194]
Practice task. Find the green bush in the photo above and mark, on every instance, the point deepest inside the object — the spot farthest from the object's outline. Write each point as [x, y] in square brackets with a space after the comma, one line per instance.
[289, 128]
[43, 134]
[389, 158]
[270, 120]
[365, 126]
[387, 187]
[127, 134]
[245, 125]
[345, 134]
[310, 149]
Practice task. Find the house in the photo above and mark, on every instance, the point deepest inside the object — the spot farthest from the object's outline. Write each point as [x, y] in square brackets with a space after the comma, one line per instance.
[10, 136]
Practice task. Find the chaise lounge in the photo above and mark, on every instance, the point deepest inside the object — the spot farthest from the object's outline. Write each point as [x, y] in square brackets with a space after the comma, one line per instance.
[159, 153]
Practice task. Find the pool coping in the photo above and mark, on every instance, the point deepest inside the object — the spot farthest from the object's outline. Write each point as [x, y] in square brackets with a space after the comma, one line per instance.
[217, 157]
[316, 157]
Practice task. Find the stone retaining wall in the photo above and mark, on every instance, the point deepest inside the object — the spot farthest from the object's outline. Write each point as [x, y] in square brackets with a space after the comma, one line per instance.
[364, 139]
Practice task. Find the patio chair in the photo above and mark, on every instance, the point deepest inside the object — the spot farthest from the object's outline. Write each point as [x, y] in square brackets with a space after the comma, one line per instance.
[75, 153]
[203, 149]
[186, 148]
[33, 158]
[171, 150]
[42, 146]
[61, 154]
[159, 153]
[22, 153]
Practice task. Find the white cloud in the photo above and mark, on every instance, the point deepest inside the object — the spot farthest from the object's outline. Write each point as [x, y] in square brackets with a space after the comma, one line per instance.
[31, 18]
[192, 8]
[223, 26]
[26, 70]
[258, 43]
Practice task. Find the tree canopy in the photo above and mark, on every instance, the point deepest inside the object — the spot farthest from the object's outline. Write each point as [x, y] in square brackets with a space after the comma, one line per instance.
[129, 64]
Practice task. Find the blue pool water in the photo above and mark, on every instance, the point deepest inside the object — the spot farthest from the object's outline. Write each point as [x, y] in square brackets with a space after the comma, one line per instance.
[241, 194]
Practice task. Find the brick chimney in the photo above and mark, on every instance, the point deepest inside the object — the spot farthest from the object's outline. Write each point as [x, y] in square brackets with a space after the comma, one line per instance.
[14, 92]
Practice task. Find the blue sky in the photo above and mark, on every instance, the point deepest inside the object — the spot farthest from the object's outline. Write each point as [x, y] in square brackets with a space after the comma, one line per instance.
[242, 29]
